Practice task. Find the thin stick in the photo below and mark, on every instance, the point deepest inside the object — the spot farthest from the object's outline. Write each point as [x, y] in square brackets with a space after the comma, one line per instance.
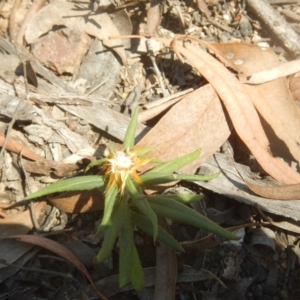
[276, 24]
[12, 122]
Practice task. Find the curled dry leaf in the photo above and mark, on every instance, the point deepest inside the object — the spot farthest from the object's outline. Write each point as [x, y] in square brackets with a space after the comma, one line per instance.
[272, 99]
[276, 192]
[240, 108]
[59, 250]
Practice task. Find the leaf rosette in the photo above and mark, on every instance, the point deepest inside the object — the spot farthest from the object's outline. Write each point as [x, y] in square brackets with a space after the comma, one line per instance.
[126, 204]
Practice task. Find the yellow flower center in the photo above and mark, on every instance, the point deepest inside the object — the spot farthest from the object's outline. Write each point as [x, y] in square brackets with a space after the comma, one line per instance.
[123, 164]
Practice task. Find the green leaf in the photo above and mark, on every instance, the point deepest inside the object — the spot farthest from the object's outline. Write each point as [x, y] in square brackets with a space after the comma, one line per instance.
[109, 204]
[137, 273]
[142, 204]
[126, 243]
[132, 189]
[175, 164]
[96, 163]
[182, 198]
[112, 147]
[112, 231]
[128, 142]
[80, 183]
[187, 177]
[150, 179]
[172, 209]
[163, 236]
[143, 151]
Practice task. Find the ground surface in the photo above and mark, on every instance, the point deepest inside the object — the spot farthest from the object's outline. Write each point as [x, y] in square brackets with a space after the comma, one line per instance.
[78, 93]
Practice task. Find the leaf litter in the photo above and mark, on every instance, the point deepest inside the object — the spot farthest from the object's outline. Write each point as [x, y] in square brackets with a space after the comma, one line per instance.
[264, 117]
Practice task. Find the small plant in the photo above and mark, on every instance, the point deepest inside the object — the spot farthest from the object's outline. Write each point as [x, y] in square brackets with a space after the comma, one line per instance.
[126, 205]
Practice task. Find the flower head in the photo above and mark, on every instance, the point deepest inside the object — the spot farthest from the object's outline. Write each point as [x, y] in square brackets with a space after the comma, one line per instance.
[122, 164]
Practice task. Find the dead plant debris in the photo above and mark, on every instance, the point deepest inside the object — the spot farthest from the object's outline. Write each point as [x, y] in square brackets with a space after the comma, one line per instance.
[218, 75]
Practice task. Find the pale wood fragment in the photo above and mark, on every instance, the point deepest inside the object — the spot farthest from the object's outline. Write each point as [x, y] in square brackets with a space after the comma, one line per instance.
[230, 184]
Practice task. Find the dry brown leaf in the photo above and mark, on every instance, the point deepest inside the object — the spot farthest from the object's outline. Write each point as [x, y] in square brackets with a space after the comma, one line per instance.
[17, 148]
[294, 87]
[241, 110]
[59, 250]
[79, 202]
[197, 121]
[153, 17]
[271, 99]
[277, 192]
[19, 223]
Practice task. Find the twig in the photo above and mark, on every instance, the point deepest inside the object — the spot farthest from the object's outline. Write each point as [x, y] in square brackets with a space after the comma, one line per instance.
[14, 116]
[31, 204]
[157, 72]
[276, 24]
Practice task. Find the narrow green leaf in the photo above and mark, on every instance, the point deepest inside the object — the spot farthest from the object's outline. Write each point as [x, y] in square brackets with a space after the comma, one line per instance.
[143, 151]
[142, 205]
[137, 273]
[175, 164]
[112, 231]
[163, 236]
[96, 163]
[112, 147]
[172, 209]
[187, 177]
[182, 198]
[156, 161]
[110, 202]
[128, 142]
[80, 183]
[150, 179]
[126, 243]
[134, 190]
